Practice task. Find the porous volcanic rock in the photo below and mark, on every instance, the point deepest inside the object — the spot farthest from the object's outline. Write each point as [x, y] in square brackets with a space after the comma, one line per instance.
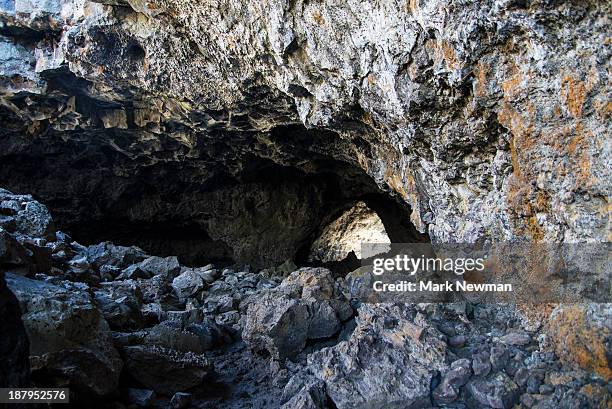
[69, 339]
[163, 370]
[308, 305]
[489, 119]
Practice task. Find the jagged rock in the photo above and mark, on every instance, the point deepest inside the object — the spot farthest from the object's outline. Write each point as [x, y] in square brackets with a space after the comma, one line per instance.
[79, 265]
[225, 303]
[388, 361]
[207, 273]
[107, 253]
[168, 267]
[500, 392]
[582, 335]
[453, 380]
[277, 324]
[310, 396]
[481, 364]
[133, 272]
[307, 305]
[187, 284]
[186, 317]
[155, 289]
[516, 338]
[68, 336]
[194, 337]
[14, 344]
[22, 215]
[228, 318]
[140, 397]
[498, 356]
[164, 370]
[121, 304]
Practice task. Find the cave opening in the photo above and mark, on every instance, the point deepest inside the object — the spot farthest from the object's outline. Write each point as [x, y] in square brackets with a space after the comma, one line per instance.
[276, 214]
[241, 199]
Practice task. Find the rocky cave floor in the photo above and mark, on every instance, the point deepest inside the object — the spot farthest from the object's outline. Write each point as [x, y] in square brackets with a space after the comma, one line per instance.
[124, 329]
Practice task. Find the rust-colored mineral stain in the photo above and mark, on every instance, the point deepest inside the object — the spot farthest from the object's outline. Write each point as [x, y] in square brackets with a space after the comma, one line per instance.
[579, 342]
[573, 93]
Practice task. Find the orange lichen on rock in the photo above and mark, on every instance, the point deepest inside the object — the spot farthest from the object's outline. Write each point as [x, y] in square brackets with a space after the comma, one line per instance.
[514, 85]
[534, 229]
[443, 52]
[450, 56]
[573, 94]
[578, 151]
[579, 340]
[481, 72]
[395, 182]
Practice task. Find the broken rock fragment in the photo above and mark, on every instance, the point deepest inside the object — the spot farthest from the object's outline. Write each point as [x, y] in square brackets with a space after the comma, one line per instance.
[307, 305]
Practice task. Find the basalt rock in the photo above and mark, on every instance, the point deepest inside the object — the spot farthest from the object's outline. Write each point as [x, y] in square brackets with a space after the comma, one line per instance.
[24, 216]
[489, 118]
[70, 341]
[389, 361]
[582, 334]
[121, 304]
[313, 350]
[164, 370]
[308, 305]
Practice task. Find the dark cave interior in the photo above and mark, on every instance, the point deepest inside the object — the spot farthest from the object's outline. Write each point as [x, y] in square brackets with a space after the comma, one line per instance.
[224, 200]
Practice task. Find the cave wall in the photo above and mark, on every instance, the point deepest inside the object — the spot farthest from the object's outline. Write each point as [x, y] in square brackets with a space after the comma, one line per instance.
[14, 344]
[488, 118]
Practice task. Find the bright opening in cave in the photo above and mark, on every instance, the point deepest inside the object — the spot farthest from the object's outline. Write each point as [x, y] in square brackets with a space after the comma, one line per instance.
[358, 225]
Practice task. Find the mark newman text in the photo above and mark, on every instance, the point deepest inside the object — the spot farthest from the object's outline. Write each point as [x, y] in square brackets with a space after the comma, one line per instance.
[448, 286]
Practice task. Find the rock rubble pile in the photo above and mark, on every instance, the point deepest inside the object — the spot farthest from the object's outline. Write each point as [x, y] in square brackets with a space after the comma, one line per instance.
[122, 329]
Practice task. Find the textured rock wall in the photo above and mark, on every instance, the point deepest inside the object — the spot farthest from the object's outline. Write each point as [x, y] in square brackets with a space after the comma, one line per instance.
[490, 118]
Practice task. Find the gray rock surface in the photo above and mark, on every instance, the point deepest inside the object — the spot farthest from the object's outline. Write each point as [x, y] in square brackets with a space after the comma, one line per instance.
[187, 284]
[388, 361]
[489, 118]
[307, 305]
[246, 339]
[68, 335]
[140, 397]
[164, 370]
[121, 304]
[22, 215]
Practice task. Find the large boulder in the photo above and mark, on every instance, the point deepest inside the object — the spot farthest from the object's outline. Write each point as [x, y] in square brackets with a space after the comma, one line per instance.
[70, 341]
[187, 337]
[388, 362]
[166, 371]
[307, 305]
[277, 324]
[187, 284]
[120, 303]
[25, 229]
[22, 215]
[168, 267]
[106, 253]
[581, 334]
